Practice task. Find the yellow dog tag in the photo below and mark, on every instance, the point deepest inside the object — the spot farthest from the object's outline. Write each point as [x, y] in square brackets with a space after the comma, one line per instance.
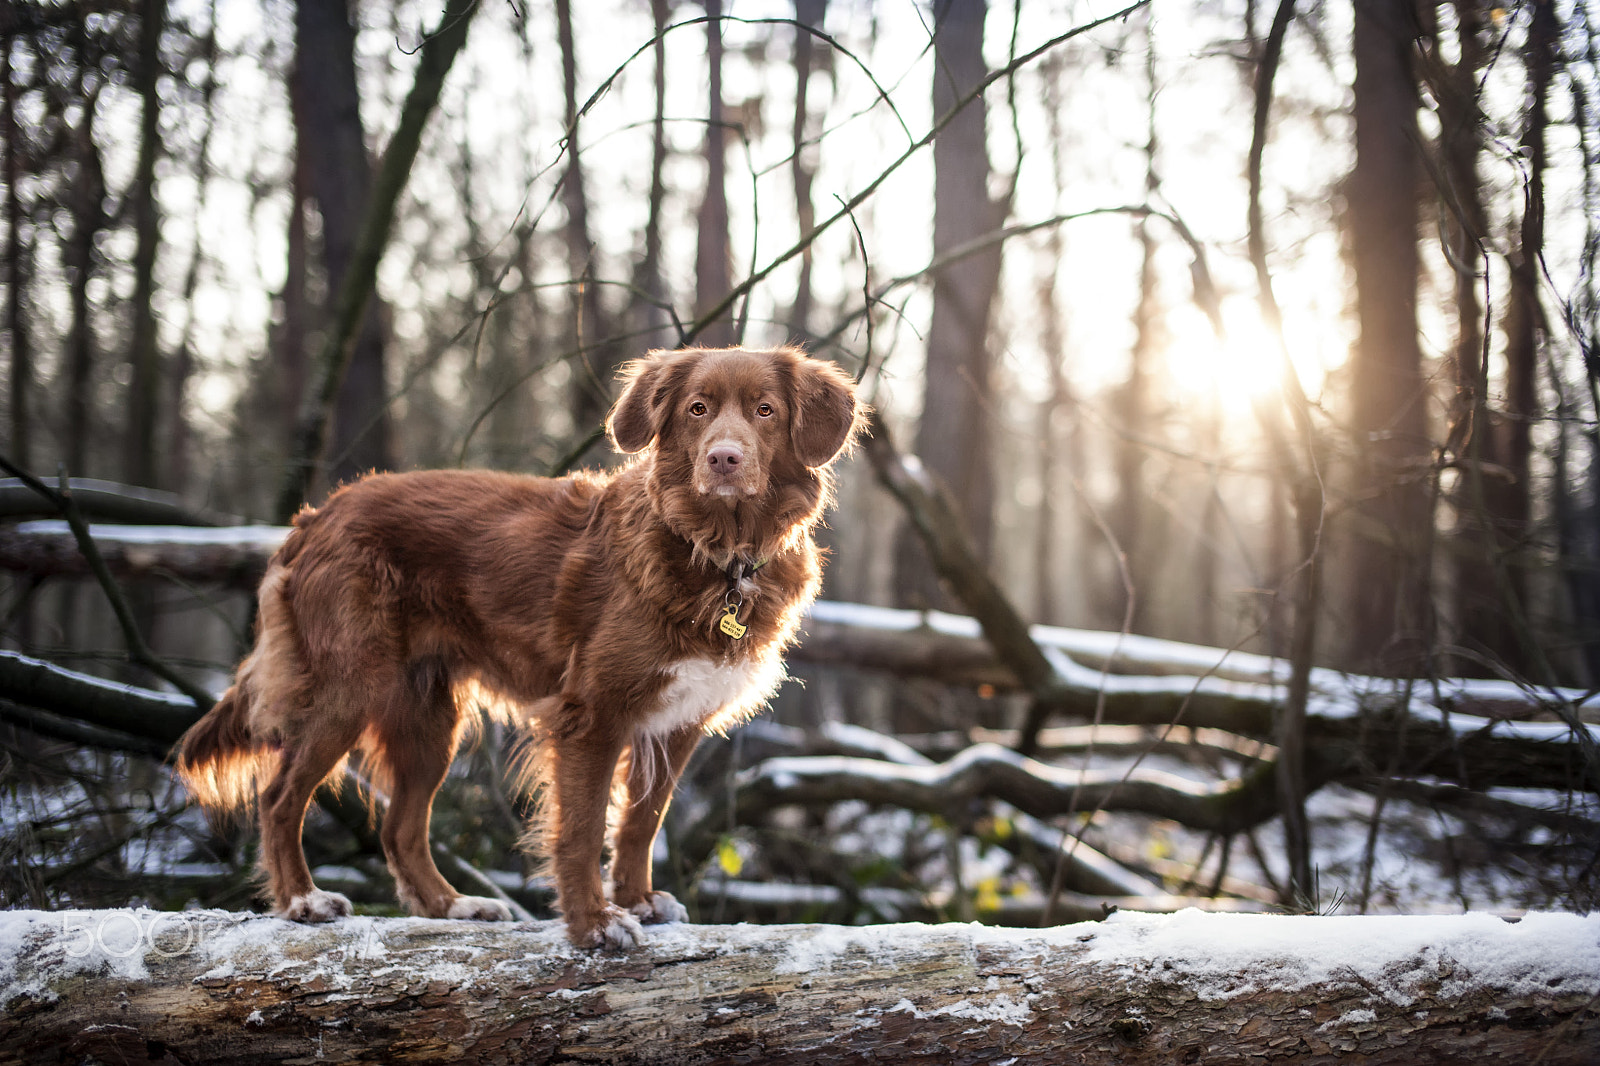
[730, 623]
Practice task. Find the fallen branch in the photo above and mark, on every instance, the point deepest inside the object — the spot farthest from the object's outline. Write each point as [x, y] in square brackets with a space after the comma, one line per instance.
[987, 771]
[138, 650]
[107, 501]
[142, 712]
[212, 986]
[234, 557]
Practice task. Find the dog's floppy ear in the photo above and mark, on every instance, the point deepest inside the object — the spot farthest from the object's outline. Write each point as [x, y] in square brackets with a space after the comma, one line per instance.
[637, 418]
[826, 415]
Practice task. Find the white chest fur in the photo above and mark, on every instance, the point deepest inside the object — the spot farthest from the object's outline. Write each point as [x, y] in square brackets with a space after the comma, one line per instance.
[699, 689]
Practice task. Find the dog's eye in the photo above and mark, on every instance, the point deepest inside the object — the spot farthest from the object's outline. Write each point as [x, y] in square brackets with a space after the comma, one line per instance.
[697, 409]
[764, 410]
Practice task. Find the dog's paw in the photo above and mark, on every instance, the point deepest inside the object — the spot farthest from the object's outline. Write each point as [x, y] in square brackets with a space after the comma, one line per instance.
[479, 908]
[316, 906]
[660, 907]
[613, 930]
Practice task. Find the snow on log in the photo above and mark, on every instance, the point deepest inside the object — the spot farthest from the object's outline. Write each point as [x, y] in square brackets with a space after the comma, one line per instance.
[235, 556]
[207, 986]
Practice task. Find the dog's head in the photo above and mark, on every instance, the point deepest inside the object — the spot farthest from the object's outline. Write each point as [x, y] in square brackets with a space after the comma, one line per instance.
[735, 429]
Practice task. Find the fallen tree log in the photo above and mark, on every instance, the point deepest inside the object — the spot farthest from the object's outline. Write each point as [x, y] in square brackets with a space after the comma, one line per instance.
[210, 986]
[234, 557]
[1144, 679]
[107, 501]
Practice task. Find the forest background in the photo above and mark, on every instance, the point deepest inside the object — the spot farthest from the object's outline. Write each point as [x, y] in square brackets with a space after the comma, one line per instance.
[1255, 343]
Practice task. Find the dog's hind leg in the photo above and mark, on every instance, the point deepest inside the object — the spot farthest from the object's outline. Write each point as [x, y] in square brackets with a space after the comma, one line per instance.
[652, 774]
[303, 764]
[417, 742]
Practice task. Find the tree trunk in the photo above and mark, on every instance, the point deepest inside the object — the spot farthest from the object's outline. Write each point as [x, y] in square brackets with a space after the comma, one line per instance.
[650, 316]
[340, 174]
[802, 171]
[1479, 621]
[435, 57]
[592, 369]
[144, 386]
[1388, 589]
[193, 986]
[17, 255]
[87, 198]
[1134, 524]
[953, 435]
[713, 273]
[287, 377]
[1508, 501]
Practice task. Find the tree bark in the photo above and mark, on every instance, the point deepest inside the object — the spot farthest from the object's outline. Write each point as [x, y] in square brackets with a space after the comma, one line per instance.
[213, 986]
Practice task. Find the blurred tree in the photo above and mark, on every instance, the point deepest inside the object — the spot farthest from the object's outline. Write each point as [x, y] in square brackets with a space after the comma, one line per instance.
[139, 456]
[16, 254]
[1392, 524]
[649, 315]
[329, 130]
[85, 198]
[953, 435]
[594, 369]
[1455, 87]
[712, 270]
[802, 164]
[1508, 500]
[1135, 523]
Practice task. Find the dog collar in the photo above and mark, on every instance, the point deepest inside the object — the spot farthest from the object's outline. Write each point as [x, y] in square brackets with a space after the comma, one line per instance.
[738, 570]
[742, 568]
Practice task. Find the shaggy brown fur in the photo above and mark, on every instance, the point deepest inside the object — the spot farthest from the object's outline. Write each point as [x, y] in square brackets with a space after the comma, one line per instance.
[589, 608]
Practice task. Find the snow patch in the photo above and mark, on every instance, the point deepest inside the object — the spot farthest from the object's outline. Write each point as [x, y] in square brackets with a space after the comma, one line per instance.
[1350, 1017]
[1001, 1009]
[268, 538]
[1391, 956]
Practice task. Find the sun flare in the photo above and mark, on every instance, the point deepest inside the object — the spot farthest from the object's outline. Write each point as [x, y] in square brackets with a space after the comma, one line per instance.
[1235, 371]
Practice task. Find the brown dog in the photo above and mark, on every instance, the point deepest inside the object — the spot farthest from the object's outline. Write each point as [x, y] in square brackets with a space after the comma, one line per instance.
[616, 616]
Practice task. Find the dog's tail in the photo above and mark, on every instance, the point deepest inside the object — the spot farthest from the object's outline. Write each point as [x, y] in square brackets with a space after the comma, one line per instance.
[218, 759]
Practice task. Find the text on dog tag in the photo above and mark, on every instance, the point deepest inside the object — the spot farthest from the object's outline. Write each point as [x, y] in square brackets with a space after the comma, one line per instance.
[730, 623]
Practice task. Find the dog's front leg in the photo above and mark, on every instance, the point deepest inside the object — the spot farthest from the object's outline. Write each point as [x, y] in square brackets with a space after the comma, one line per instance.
[581, 781]
[654, 765]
